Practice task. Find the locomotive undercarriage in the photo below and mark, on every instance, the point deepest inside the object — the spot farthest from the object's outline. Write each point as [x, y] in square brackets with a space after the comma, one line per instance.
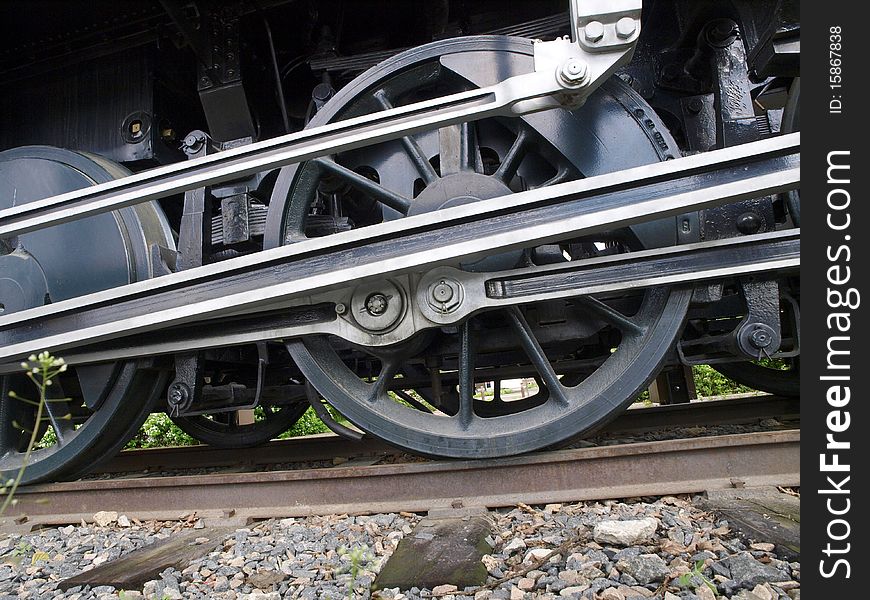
[462, 213]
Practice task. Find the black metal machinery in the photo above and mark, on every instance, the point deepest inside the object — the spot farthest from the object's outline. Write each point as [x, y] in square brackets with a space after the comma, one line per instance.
[281, 242]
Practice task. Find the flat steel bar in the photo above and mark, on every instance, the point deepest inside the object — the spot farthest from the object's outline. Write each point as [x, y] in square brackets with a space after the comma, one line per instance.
[641, 469]
[268, 154]
[262, 280]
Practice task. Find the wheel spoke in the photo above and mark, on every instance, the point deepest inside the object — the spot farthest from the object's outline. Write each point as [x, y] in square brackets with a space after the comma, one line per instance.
[611, 315]
[389, 368]
[364, 184]
[412, 401]
[469, 153]
[424, 167]
[466, 376]
[9, 434]
[60, 417]
[515, 154]
[561, 175]
[536, 354]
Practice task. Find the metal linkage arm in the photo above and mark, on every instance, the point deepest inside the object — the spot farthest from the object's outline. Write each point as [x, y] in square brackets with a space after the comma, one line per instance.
[301, 274]
[565, 74]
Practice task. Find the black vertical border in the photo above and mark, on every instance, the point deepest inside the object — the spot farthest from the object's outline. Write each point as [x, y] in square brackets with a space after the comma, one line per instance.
[821, 133]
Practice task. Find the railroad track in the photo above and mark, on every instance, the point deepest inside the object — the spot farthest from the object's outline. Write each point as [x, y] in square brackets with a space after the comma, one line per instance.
[736, 409]
[618, 471]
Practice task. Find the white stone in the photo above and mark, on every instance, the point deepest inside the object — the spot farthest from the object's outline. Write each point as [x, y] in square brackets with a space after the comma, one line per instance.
[443, 589]
[535, 554]
[705, 593]
[517, 593]
[123, 521]
[526, 584]
[625, 533]
[105, 517]
[514, 545]
[574, 589]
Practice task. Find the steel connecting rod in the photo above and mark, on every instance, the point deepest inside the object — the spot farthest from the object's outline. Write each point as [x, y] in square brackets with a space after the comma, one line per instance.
[301, 274]
[566, 72]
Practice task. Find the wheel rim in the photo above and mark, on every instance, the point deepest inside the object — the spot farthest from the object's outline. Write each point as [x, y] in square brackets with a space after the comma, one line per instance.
[109, 401]
[223, 430]
[641, 336]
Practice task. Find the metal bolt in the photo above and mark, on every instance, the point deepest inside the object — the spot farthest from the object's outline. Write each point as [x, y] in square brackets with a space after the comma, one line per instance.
[178, 394]
[722, 32]
[442, 292]
[593, 31]
[695, 106]
[625, 28]
[573, 71]
[376, 304]
[340, 308]
[760, 339]
[445, 295]
[748, 223]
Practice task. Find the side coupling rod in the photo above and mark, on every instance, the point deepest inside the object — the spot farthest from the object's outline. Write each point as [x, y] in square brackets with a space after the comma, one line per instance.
[296, 281]
[566, 73]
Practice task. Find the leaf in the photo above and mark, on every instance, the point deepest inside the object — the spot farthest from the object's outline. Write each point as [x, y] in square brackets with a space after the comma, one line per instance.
[39, 555]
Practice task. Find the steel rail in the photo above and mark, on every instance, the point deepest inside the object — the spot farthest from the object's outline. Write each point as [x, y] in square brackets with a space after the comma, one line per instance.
[324, 447]
[291, 274]
[629, 470]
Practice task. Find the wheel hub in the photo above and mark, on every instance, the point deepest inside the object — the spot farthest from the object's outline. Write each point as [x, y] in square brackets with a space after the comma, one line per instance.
[458, 189]
[22, 282]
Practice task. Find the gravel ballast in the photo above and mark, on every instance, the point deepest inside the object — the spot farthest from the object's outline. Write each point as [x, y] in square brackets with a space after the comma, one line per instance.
[664, 548]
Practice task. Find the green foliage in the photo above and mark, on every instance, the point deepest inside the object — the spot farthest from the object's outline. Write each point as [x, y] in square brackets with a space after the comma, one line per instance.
[308, 424]
[359, 557]
[710, 382]
[685, 580]
[159, 431]
[41, 369]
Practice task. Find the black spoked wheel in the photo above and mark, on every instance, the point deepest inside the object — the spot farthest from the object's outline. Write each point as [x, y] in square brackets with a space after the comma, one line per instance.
[773, 380]
[241, 429]
[586, 358]
[108, 402]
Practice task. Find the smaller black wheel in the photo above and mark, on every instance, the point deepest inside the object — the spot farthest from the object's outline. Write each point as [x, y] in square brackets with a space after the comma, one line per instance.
[228, 430]
[782, 382]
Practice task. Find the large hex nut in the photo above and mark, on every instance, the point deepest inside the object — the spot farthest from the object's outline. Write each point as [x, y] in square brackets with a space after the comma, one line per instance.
[444, 295]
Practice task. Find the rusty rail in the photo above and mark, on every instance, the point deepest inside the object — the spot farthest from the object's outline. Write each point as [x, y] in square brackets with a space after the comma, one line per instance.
[328, 446]
[637, 469]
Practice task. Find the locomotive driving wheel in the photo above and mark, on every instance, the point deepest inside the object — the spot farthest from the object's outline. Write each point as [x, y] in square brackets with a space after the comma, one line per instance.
[107, 403]
[588, 356]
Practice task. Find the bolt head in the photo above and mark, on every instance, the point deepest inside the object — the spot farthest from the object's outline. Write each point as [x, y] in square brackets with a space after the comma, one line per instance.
[444, 295]
[178, 393]
[340, 308]
[376, 304]
[748, 223]
[695, 106]
[625, 28]
[442, 292]
[593, 31]
[760, 338]
[573, 71]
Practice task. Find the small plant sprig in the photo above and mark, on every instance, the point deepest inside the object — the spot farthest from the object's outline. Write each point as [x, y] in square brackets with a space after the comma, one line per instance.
[359, 557]
[41, 369]
[685, 580]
